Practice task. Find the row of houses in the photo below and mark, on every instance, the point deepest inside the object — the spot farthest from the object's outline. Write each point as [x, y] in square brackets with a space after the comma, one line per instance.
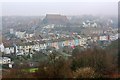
[29, 47]
[104, 37]
[21, 34]
[23, 47]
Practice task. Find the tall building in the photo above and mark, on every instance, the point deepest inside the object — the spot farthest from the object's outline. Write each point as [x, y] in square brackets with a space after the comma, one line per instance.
[55, 19]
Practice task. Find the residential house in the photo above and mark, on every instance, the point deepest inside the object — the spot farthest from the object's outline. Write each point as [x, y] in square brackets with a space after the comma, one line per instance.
[8, 47]
[43, 45]
[20, 34]
[113, 37]
[104, 37]
[5, 62]
[76, 41]
[1, 47]
[82, 41]
[55, 45]
[72, 43]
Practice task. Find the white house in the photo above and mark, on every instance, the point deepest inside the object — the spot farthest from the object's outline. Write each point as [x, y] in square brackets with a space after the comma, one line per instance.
[94, 25]
[20, 34]
[5, 60]
[36, 47]
[24, 48]
[8, 48]
[29, 35]
[104, 38]
[11, 31]
[1, 47]
[113, 37]
[82, 41]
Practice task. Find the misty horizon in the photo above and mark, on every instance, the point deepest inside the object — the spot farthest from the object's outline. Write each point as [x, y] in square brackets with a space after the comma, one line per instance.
[63, 8]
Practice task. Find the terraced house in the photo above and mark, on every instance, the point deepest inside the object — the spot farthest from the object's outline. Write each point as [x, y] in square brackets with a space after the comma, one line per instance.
[24, 47]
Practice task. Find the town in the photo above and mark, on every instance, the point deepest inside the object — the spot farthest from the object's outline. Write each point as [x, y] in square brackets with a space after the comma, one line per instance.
[25, 37]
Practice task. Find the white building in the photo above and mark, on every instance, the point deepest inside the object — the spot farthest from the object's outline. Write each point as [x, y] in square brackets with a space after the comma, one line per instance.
[94, 25]
[113, 37]
[29, 35]
[82, 41]
[1, 47]
[5, 60]
[49, 26]
[11, 31]
[36, 47]
[20, 34]
[9, 50]
[104, 38]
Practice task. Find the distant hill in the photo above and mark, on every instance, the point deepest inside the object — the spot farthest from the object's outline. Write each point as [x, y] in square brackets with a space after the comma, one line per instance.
[20, 22]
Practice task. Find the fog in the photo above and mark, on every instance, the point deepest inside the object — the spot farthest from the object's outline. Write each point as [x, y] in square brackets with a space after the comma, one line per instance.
[65, 8]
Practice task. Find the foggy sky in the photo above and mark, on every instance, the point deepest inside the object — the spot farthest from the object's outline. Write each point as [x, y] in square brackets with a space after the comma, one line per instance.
[64, 8]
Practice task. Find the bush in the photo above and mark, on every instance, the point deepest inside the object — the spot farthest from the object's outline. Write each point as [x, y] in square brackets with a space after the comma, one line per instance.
[85, 73]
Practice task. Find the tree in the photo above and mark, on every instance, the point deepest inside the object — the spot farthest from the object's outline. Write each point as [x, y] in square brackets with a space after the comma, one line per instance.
[95, 58]
[55, 67]
[77, 50]
[86, 72]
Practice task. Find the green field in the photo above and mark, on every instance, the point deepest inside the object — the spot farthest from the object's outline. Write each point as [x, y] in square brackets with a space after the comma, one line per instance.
[31, 70]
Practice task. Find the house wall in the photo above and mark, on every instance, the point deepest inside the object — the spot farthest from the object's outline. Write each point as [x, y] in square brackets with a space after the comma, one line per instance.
[1, 47]
[11, 49]
[7, 50]
[38, 47]
[103, 38]
[76, 41]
